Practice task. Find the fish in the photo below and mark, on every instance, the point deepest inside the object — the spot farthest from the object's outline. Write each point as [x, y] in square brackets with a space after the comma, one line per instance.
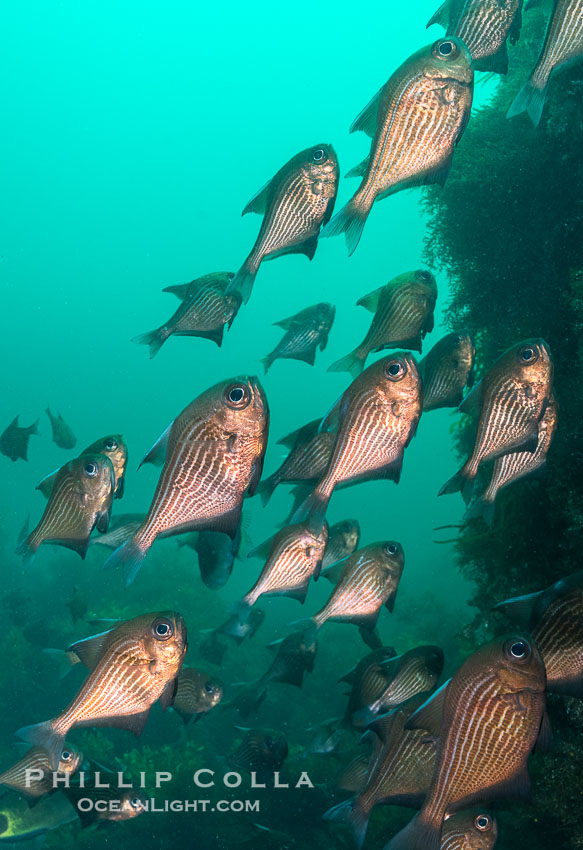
[326, 738]
[415, 672]
[214, 453]
[63, 436]
[498, 696]
[403, 315]
[510, 400]
[343, 538]
[18, 777]
[305, 332]
[377, 419]
[415, 122]
[447, 370]
[214, 280]
[14, 439]
[217, 553]
[563, 43]
[554, 616]
[294, 556]
[262, 751]
[212, 649]
[475, 829]
[196, 693]
[398, 771]
[121, 528]
[204, 313]
[77, 605]
[295, 204]
[248, 698]
[131, 667]
[113, 447]
[295, 656]
[108, 805]
[515, 466]
[238, 629]
[310, 452]
[370, 580]
[367, 679]
[20, 822]
[79, 502]
[485, 27]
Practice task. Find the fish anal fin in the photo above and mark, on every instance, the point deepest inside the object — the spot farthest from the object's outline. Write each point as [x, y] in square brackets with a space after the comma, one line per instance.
[497, 63]
[307, 247]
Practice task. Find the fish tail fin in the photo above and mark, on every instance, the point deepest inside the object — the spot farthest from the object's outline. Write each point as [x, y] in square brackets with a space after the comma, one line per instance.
[308, 627]
[482, 508]
[457, 483]
[243, 282]
[129, 556]
[353, 815]
[44, 735]
[34, 427]
[28, 549]
[353, 363]
[155, 339]
[530, 99]
[419, 834]
[350, 221]
[313, 510]
[267, 363]
[265, 489]
[235, 625]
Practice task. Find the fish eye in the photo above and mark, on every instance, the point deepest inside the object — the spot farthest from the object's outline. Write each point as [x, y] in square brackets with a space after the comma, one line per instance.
[395, 370]
[391, 548]
[237, 396]
[66, 755]
[319, 155]
[528, 354]
[162, 629]
[90, 469]
[482, 822]
[269, 742]
[444, 49]
[423, 275]
[209, 687]
[518, 649]
[136, 802]
[111, 444]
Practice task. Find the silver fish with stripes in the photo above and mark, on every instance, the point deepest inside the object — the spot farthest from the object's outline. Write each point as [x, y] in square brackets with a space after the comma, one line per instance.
[213, 455]
[415, 121]
[510, 401]
[305, 332]
[403, 315]
[24, 778]
[474, 829]
[563, 43]
[447, 370]
[295, 204]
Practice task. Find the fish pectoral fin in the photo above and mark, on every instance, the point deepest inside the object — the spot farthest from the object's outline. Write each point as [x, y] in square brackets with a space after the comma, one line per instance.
[168, 694]
[258, 203]
[440, 17]
[371, 301]
[90, 649]
[429, 716]
[367, 119]
[157, 454]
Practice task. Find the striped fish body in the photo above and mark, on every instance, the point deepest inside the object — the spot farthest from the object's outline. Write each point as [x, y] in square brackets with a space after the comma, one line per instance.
[196, 693]
[37, 759]
[446, 370]
[261, 751]
[295, 204]
[493, 710]
[113, 447]
[305, 332]
[404, 313]
[216, 280]
[80, 500]
[214, 456]
[295, 555]
[343, 538]
[306, 462]
[132, 666]
[475, 829]
[368, 679]
[120, 529]
[370, 580]
[295, 656]
[563, 41]
[485, 27]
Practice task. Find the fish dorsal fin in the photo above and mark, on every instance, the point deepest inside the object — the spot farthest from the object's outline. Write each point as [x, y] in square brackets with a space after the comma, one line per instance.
[360, 169]
[258, 203]
[371, 301]
[441, 17]
[330, 420]
[350, 676]
[429, 716]
[275, 644]
[472, 401]
[157, 454]
[307, 431]
[90, 649]
[262, 550]
[520, 608]
[538, 4]
[286, 324]
[355, 776]
[45, 485]
[366, 120]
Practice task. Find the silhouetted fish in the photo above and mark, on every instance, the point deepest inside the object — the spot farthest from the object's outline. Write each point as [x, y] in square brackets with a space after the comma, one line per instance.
[214, 454]
[196, 693]
[80, 501]
[295, 656]
[510, 400]
[62, 434]
[113, 447]
[305, 332]
[415, 121]
[261, 751]
[343, 538]
[484, 26]
[77, 605]
[37, 759]
[403, 315]
[294, 204]
[238, 629]
[132, 666]
[14, 440]
[563, 43]
[447, 369]
[217, 553]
